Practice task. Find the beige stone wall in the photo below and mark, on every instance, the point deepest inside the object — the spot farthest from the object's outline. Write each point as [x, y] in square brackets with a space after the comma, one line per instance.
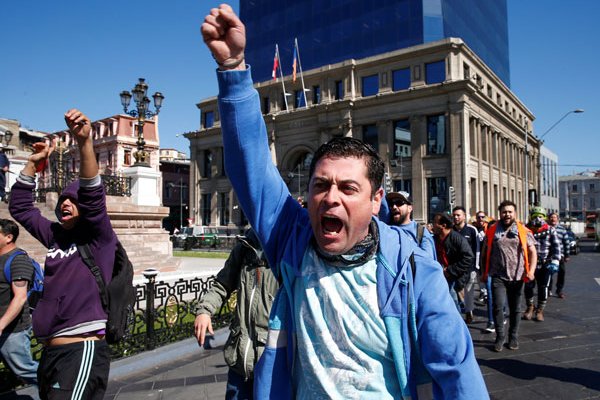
[482, 116]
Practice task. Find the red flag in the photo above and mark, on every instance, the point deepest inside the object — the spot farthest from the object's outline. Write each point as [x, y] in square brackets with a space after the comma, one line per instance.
[275, 65]
[294, 65]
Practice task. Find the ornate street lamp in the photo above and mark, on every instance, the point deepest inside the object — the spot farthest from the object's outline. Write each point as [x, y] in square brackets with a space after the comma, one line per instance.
[142, 112]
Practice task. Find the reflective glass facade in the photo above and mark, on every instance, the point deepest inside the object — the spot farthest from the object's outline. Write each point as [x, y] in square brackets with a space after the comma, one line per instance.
[330, 31]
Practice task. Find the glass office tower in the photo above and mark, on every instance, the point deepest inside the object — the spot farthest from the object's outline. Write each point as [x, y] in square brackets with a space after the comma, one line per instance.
[330, 31]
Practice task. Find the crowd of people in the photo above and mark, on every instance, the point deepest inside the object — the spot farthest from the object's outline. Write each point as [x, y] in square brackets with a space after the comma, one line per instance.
[339, 295]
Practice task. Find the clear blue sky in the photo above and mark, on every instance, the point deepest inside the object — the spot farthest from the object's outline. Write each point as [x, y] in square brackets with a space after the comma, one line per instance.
[65, 53]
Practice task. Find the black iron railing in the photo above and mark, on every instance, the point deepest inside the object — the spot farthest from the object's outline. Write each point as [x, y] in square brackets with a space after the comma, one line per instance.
[163, 314]
[117, 185]
[114, 185]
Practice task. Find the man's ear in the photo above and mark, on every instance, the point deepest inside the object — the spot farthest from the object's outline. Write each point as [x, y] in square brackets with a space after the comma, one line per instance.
[376, 201]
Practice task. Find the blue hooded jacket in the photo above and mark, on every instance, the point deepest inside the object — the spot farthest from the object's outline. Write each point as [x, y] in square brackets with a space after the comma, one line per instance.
[428, 338]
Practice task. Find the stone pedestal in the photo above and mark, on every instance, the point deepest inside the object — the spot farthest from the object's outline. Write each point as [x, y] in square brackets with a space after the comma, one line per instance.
[145, 185]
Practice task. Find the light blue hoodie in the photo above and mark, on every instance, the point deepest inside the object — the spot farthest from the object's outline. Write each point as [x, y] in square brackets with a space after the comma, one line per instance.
[429, 340]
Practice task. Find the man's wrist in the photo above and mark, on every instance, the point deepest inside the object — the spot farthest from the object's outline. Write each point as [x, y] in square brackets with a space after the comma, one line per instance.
[231, 63]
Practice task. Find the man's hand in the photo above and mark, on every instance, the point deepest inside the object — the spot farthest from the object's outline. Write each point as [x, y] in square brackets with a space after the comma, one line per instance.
[79, 125]
[225, 36]
[39, 159]
[201, 324]
[531, 275]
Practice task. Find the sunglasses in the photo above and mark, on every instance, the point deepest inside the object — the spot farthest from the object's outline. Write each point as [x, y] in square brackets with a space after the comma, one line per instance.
[398, 203]
[481, 216]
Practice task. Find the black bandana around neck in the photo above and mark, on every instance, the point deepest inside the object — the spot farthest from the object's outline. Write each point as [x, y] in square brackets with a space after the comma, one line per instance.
[357, 255]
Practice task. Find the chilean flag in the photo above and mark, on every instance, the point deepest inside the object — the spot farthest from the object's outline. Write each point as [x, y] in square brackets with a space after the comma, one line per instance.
[275, 65]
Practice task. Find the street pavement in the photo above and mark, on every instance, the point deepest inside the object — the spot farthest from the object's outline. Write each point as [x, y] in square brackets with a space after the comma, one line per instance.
[557, 359]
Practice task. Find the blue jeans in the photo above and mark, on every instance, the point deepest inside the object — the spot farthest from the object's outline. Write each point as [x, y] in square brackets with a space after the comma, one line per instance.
[490, 310]
[15, 349]
[238, 388]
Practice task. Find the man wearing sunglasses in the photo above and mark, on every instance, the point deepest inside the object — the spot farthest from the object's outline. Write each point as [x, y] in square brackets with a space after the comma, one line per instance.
[399, 206]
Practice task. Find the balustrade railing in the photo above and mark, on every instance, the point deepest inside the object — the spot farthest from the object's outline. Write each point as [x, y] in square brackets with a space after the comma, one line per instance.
[163, 313]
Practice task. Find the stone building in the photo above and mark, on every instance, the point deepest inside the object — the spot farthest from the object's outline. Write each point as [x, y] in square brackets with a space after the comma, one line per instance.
[579, 195]
[175, 174]
[436, 113]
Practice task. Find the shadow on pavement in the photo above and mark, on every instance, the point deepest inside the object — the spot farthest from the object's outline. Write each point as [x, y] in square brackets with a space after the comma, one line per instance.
[528, 371]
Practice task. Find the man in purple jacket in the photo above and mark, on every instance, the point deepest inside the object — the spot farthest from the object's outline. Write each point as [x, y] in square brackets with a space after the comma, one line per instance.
[69, 318]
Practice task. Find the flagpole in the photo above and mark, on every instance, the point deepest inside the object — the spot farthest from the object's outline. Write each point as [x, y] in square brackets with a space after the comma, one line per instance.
[301, 75]
[281, 75]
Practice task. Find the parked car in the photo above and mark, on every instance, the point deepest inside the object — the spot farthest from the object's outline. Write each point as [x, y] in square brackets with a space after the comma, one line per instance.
[573, 243]
[208, 238]
[184, 239]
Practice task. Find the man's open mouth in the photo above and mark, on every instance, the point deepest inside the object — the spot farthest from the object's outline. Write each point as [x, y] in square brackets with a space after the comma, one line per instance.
[331, 225]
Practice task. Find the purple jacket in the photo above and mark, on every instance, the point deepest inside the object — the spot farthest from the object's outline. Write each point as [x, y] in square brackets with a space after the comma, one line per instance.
[70, 297]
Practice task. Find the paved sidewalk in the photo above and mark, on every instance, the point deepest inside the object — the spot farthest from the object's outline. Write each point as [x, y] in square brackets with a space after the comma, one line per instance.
[557, 359]
[179, 371]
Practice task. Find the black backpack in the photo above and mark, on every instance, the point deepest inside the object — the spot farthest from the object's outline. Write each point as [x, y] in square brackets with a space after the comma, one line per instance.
[118, 297]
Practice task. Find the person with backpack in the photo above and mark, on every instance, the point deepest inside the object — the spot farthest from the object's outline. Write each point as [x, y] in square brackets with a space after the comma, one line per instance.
[549, 254]
[247, 272]
[350, 320]
[15, 320]
[396, 208]
[70, 318]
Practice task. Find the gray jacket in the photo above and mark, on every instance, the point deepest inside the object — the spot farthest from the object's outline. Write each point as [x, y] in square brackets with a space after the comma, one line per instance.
[247, 272]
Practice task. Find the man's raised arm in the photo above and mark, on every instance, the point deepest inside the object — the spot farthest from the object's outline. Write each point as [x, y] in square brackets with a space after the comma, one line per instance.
[81, 127]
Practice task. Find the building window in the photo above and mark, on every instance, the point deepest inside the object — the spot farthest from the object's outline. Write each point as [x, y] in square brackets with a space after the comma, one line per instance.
[206, 199]
[167, 191]
[284, 105]
[494, 149]
[466, 72]
[110, 159]
[437, 196]
[209, 119]
[370, 85]
[402, 139]
[339, 90]
[316, 94]
[473, 137]
[224, 208]
[575, 203]
[574, 188]
[592, 187]
[266, 105]
[403, 185]
[370, 136]
[222, 162]
[484, 143]
[126, 157]
[435, 72]
[592, 203]
[299, 99]
[436, 134]
[207, 165]
[400, 79]
[489, 91]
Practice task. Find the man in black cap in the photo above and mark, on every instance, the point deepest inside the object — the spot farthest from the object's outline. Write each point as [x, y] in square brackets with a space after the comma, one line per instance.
[399, 207]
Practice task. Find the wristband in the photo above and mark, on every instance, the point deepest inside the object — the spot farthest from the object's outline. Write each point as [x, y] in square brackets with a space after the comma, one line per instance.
[228, 63]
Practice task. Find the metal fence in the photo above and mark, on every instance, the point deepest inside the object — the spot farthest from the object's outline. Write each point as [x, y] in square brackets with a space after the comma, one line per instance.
[114, 185]
[163, 313]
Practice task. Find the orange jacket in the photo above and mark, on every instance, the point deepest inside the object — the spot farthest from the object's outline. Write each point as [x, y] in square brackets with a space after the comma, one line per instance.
[489, 237]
